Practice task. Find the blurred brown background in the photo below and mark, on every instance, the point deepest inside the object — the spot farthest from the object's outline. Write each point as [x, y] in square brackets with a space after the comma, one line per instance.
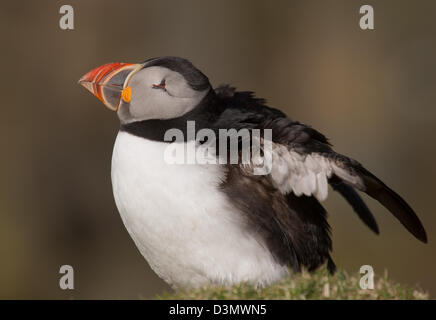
[371, 92]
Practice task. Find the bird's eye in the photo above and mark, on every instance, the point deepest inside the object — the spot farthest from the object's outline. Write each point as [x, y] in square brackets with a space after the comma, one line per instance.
[161, 85]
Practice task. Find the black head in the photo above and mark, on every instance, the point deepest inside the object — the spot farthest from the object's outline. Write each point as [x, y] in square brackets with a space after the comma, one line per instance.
[194, 77]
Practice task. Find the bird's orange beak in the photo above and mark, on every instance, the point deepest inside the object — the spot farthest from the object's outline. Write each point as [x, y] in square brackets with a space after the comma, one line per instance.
[109, 83]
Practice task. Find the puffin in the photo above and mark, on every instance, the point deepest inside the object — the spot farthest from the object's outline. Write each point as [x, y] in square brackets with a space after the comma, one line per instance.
[222, 222]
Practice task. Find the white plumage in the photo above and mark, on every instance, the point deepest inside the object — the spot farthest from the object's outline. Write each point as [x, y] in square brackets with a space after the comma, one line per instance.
[182, 224]
[303, 174]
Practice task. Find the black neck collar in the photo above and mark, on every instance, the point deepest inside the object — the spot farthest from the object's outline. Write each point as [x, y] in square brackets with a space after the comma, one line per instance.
[204, 115]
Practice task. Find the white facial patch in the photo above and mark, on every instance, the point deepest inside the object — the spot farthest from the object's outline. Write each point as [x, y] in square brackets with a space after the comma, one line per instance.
[150, 102]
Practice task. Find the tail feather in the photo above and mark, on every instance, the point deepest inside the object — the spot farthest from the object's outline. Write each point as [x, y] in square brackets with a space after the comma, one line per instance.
[355, 202]
[375, 188]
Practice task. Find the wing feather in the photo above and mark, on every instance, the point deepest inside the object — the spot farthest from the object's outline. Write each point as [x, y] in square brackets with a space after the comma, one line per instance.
[304, 163]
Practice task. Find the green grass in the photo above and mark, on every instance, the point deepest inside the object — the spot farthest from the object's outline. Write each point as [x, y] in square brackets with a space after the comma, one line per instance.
[317, 285]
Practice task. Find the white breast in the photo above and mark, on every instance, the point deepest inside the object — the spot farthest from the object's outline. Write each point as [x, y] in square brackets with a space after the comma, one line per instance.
[181, 223]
